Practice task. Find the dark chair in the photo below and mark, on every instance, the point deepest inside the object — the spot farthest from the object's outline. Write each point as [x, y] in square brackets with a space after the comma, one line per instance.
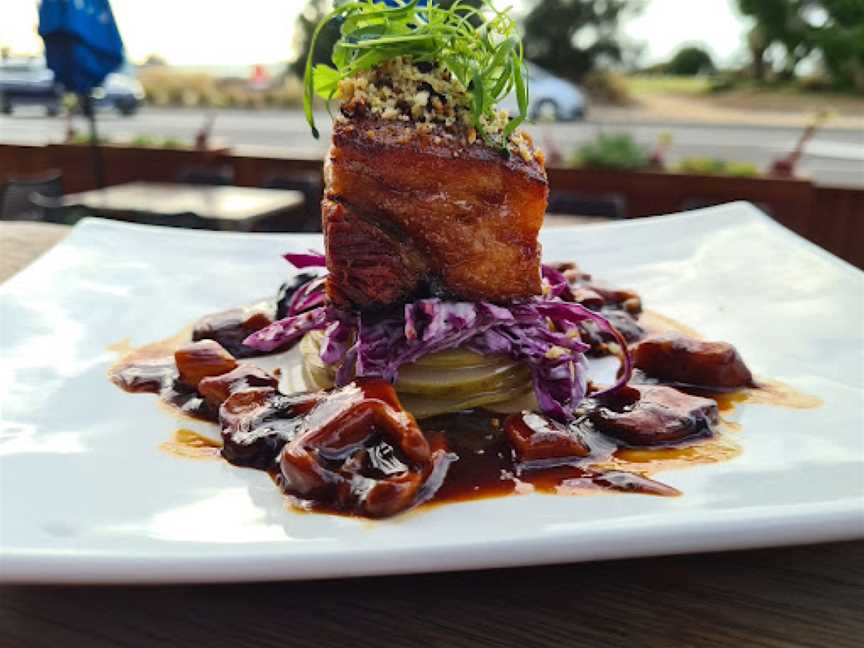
[690, 204]
[601, 205]
[15, 202]
[185, 220]
[216, 176]
[311, 186]
[53, 210]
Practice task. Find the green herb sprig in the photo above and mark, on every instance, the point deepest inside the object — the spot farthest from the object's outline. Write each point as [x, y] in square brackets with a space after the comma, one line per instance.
[486, 58]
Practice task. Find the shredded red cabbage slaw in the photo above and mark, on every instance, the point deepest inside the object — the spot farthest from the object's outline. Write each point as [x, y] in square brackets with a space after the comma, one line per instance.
[542, 332]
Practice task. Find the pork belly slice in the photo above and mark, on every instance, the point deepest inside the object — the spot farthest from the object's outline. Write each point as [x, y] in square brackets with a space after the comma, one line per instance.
[408, 213]
[368, 265]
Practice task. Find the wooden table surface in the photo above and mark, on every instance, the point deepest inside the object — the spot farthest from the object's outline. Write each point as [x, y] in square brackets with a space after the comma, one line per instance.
[799, 596]
[211, 203]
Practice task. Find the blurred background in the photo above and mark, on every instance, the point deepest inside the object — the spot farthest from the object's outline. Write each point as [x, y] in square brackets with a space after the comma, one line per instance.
[642, 107]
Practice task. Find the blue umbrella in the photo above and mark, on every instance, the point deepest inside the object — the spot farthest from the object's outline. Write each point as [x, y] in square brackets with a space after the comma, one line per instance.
[82, 46]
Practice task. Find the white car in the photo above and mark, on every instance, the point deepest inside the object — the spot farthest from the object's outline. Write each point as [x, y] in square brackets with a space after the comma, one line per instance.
[550, 98]
[120, 91]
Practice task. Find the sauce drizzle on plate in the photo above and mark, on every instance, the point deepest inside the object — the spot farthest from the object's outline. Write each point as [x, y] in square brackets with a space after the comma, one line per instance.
[487, 465]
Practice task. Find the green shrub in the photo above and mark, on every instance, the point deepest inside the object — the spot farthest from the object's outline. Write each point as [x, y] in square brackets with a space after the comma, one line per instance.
[690, 61]
[143, 141]
[84, 138]
[742, 169]
[166, 87]
[190, 97]
[612, 151]
[286, 95]
[607, 87]
[234, 97]
[816, 84]
[717, 166]
[727, 80]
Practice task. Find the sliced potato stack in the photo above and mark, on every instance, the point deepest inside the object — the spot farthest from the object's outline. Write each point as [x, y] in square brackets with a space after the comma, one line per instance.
[448, 381]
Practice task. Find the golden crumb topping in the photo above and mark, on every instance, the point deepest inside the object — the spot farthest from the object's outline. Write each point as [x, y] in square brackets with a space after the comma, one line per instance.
[425, 95]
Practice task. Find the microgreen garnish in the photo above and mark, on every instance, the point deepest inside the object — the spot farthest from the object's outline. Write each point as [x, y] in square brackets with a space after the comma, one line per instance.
[486, 58]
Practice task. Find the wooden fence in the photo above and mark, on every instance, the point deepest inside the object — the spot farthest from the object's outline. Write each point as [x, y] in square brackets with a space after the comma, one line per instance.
[832, 217]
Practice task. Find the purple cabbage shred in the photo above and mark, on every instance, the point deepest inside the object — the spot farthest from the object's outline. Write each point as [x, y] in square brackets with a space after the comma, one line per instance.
[300, 260]
[542, 332]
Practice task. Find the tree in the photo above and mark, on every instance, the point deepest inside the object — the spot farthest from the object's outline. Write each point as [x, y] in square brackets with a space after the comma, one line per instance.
[690, 61]
[154, 60]
[834, 28]
[758, 45]
[570, 37]
[307, 21]
[782, 22]
[840, 40]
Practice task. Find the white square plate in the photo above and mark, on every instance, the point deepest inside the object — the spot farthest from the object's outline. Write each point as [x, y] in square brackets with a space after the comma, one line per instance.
[87, 496]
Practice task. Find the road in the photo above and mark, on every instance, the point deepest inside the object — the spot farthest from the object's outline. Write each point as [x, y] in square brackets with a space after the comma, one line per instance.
[833, 157]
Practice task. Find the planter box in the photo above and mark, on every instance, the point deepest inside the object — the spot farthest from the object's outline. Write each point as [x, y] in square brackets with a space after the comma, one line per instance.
[651, 192]
[832, 217]
[127, 163]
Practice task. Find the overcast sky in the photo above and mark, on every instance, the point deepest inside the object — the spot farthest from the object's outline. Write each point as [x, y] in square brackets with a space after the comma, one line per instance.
[216, 32]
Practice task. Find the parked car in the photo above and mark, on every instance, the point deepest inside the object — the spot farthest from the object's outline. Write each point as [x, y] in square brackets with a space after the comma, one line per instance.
[551, 98]
[121, 91]
[28, 82]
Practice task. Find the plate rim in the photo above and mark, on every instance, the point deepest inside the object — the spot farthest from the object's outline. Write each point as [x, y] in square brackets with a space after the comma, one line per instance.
[719, 531]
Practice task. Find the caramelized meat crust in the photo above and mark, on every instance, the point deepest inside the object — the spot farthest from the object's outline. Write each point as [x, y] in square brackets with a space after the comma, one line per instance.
[423, 209]
[368, 265]
[682, 359]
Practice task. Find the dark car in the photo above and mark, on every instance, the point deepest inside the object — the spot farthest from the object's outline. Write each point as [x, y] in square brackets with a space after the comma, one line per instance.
[121, 91]
[28, 82]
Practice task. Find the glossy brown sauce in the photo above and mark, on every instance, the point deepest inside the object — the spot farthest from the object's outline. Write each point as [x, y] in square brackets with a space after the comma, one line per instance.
[153, 351]
[161, 378]
[653, 322]
[189, 444]
[779, 394]
[486, 466]
[150, 369]
[763, 392]
[722, 446]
